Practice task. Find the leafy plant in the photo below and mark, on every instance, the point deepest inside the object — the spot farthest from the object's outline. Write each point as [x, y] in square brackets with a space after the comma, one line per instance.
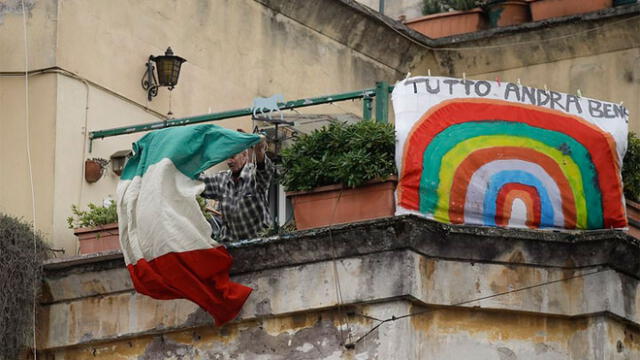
[202, 202]
[94, 216]
[631, 168]
[101, 215]
[438, 6]
[340, 153]
[20, 275]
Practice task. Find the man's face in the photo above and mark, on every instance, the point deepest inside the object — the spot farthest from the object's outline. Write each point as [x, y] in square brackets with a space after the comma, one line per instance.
[236, 163]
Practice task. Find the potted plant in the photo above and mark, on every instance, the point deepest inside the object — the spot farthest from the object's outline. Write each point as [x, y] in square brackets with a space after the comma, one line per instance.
[96, 228]
[545, 9]
[448, 17]
[506, 12]
[341, 173]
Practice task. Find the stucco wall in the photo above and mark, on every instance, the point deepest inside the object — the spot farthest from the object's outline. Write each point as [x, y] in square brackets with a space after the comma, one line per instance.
[598, 53]
[236, 50]
[41, 16]
[16, 177]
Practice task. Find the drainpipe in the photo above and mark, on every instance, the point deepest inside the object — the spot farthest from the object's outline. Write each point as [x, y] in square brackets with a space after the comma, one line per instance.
[381, 10]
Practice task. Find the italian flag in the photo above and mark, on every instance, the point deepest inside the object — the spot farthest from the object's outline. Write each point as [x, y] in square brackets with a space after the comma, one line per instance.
[165, 238]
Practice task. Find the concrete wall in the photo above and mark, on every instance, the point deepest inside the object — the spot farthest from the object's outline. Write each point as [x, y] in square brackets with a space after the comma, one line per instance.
[544, 295]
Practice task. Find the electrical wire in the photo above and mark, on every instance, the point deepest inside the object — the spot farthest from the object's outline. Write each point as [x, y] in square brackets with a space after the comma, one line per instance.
[394, 318]
[336, 277]
[67, 73]
[336, 274]
[85, 140]
[30, 166]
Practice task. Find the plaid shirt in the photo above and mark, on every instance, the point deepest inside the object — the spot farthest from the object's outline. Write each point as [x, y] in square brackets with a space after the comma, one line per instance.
[244, 205]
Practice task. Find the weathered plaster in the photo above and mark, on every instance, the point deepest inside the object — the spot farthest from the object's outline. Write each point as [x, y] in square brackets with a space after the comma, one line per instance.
[386, 269]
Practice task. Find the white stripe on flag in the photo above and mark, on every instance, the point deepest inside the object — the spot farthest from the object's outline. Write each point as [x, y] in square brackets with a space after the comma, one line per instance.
[172, 217]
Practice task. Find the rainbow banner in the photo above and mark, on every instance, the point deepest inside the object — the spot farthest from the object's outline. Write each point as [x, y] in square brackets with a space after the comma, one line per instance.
[501, 154]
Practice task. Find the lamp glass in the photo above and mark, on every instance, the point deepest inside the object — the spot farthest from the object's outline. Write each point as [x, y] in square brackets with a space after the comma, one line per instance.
[168, 70]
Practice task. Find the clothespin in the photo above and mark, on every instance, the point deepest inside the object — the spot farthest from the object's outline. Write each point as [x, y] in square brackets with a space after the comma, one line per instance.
[498, 80]
[407, 76]
[579, 92]
[518, 82]
[429, 72]
[546, 89]
[464, 76]
[621, 103]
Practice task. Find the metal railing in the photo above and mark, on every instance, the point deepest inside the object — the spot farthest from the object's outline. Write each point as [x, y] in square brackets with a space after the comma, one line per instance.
[380, 93]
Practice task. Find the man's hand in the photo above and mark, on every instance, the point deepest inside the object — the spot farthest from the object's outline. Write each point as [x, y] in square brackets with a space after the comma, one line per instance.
[260, 149]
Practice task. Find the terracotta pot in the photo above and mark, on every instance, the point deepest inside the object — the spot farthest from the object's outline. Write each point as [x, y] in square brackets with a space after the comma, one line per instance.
[449, 23]
[98, 239]
[92, 171]
[545, 9]
[506, 13]
[333, 204]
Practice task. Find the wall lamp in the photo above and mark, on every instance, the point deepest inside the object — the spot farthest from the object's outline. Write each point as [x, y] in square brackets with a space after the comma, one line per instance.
[119, 159]
[168, 68]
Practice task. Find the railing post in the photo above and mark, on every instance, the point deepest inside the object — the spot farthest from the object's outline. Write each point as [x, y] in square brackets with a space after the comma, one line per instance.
[366, 107]
[382, 101]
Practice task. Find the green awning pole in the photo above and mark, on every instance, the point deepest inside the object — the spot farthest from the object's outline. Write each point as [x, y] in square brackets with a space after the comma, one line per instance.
[382, 89]
[382, 101]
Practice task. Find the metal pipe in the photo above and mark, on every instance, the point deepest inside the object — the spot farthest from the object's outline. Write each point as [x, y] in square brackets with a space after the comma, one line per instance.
[232, 114]
[381, 7]
[382, 101]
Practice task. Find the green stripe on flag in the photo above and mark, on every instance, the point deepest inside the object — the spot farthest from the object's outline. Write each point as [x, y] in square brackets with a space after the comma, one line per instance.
[192, 149]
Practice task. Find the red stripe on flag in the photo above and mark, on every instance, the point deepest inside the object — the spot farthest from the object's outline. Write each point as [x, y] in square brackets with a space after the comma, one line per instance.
[201, 276]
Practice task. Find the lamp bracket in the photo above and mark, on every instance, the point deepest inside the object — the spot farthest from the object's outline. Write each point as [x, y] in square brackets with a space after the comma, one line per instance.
[149, 81]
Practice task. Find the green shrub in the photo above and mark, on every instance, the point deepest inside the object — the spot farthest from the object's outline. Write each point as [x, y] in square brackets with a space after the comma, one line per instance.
[631, 168]
[340, 153]
[438, 6]
[22, 254]
[95, 216]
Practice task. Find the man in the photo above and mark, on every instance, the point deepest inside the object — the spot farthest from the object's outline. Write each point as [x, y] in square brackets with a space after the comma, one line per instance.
[242, 193]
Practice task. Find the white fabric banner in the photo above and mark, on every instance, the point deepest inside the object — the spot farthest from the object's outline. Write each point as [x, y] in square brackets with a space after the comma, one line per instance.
[501, 154]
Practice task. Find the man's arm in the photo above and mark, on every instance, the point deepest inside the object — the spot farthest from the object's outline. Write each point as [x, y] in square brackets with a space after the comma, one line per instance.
[264, 167]
[212, 186]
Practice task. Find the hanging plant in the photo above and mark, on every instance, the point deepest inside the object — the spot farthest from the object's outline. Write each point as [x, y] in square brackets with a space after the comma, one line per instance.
[94, 168]
[20, 276]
